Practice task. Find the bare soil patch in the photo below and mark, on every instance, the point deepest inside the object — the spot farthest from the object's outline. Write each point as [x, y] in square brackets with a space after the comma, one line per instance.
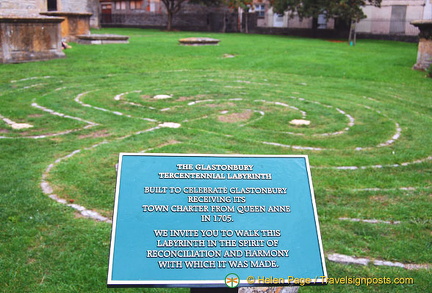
[236, 117]
[100, 133]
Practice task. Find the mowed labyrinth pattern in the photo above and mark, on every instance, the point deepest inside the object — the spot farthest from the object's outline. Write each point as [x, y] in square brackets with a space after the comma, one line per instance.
[357, 142]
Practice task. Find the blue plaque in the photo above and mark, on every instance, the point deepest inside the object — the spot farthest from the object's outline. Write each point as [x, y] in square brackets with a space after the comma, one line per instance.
[214, 221]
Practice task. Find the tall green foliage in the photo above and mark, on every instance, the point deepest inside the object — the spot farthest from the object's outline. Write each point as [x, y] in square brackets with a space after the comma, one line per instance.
[342, 9]
[174, 6]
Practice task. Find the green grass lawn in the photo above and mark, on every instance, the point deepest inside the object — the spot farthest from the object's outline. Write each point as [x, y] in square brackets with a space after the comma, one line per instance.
[369, 144]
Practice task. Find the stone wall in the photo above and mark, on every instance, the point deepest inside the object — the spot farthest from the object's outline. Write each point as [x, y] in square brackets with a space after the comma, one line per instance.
[215, 22]
[74, 24]
[192, 17]
[25, 35]
[74, 5]
[26, 39]
[83, 6]
[32, 8]
[428, 10]
[21, 7]
[393, 18]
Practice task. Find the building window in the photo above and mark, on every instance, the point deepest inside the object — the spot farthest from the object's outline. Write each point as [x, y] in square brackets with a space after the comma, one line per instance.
[260, 9]
[322, 21]
[136, 4]
[151, 6]
[120, 5]
[52, 5]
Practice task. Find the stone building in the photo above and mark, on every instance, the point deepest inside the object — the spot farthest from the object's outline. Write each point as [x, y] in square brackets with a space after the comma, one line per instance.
[34, 7]
[33, 30]
[152, 14]
[26, 7]
[25, 35]
[74, 6]
[80, 6]
[392, 18]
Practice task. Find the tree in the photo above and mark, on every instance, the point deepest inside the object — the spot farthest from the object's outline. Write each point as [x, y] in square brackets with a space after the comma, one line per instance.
[174, 6]
[242, 5]
[342, 9]
[348, 10]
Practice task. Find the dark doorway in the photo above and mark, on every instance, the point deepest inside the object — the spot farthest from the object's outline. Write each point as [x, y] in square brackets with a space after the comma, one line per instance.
[52, 5]
[106, 13]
